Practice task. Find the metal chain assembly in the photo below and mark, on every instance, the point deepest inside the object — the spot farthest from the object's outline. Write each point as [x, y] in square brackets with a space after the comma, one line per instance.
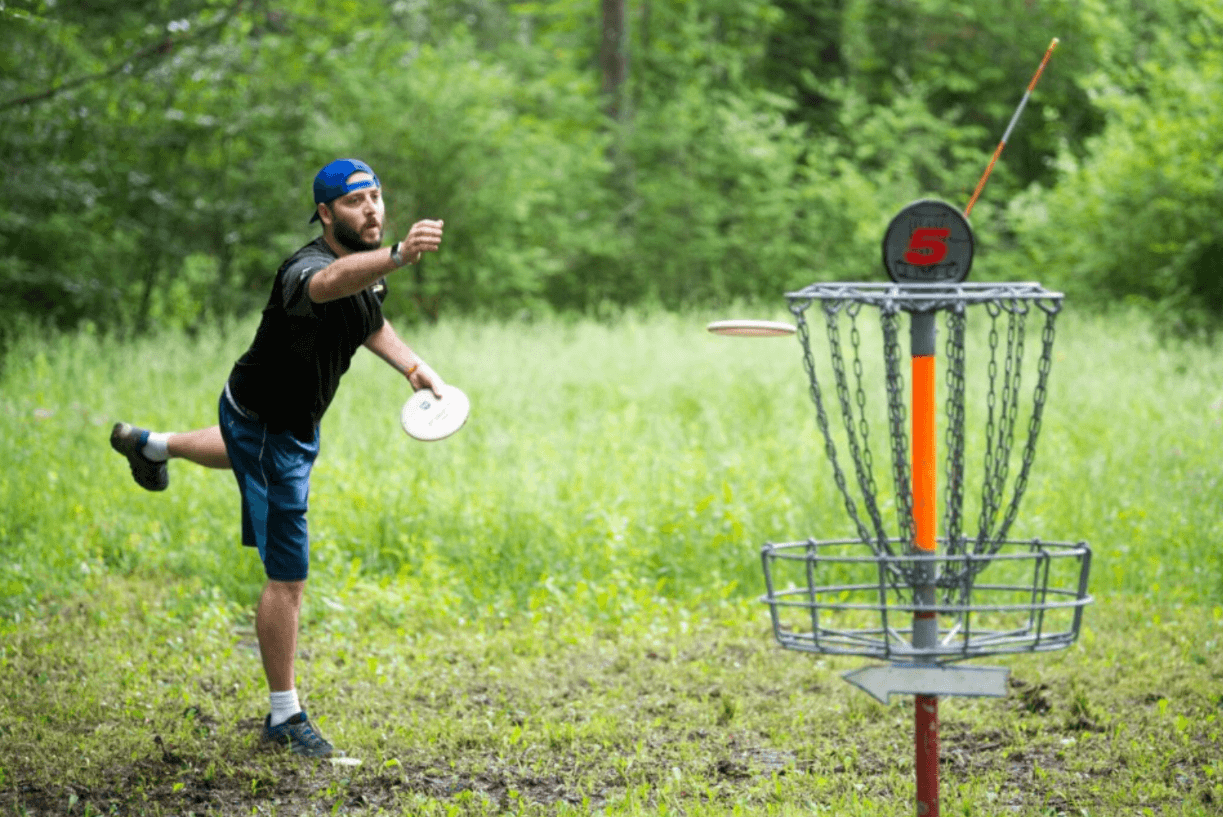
[856, 427]
[1007, 307]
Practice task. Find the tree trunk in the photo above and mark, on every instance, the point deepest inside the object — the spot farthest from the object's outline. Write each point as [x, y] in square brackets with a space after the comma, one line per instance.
[613, 56]
[152, 272]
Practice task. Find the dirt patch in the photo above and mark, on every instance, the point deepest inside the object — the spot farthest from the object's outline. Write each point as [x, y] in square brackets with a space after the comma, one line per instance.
[168, 782]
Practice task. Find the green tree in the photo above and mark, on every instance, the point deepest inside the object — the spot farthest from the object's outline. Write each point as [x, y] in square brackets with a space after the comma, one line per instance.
[126, 130]
[163, 149]
[1137, 217]
[515, 164]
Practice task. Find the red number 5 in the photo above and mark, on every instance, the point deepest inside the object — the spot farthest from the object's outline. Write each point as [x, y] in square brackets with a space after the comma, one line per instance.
[927, 245]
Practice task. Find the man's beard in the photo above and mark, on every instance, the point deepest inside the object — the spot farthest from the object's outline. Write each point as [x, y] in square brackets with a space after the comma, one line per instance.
[351, 239]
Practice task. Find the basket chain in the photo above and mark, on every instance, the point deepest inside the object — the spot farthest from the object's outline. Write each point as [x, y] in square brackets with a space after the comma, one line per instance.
[957, 321]
[1038, 406]
[821, 419]
[897, 416]
[982, 623]
[999, 437]
[857, 434]
[1003, 408]
[880, 541]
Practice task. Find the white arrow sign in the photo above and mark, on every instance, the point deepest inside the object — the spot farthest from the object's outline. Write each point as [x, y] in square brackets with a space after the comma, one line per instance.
[882, 682]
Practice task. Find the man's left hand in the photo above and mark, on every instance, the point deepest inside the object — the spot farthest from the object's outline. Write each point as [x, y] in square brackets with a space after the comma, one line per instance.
[425, 378]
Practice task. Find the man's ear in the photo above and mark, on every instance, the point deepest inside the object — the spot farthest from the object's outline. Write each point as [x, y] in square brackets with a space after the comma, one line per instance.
[324, 214]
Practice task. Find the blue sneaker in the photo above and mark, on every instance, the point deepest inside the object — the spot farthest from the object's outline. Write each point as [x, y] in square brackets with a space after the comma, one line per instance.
[301, 736]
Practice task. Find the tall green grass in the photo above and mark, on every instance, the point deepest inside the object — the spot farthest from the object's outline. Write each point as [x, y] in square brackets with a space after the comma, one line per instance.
[601, 460]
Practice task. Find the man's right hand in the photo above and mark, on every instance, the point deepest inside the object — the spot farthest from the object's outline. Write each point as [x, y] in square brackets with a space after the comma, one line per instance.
[425, 236]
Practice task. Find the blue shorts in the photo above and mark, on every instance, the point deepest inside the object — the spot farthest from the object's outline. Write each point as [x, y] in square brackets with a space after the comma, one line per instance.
[273, 474]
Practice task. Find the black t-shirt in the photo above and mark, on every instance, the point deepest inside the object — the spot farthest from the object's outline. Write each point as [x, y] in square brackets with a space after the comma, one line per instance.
[292, 369]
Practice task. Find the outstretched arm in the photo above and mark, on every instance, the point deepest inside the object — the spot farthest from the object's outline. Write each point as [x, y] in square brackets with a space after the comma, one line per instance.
[356, 271]
[386, 344]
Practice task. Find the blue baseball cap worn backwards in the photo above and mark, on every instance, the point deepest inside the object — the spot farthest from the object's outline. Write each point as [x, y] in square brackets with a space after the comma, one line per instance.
[332, 181]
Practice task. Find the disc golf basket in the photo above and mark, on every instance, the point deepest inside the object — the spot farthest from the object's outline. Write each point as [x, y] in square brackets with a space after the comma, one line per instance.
[897, 591]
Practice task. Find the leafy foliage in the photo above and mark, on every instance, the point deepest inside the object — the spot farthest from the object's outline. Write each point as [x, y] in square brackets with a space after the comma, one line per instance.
[1138, 216]
[160, 151]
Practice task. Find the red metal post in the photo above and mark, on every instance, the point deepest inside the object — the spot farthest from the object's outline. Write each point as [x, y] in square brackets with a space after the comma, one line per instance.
[926, 748]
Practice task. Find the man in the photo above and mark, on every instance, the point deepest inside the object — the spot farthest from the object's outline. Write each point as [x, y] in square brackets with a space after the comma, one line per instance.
[326, 302]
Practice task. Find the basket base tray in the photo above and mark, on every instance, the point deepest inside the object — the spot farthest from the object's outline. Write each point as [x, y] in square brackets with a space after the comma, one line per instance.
[840, 597]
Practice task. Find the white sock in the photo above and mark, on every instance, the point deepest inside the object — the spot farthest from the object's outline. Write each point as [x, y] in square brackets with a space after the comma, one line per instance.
[155, 449]
[284, 706]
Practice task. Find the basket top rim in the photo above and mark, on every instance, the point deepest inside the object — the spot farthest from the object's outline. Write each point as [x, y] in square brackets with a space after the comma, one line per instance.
[925, 297]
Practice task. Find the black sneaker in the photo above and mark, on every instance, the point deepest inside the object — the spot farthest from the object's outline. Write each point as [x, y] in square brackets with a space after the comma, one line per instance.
[128, 440]
[301, 736]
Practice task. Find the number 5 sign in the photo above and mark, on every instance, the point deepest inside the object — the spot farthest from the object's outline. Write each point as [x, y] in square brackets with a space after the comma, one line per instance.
[928, 242]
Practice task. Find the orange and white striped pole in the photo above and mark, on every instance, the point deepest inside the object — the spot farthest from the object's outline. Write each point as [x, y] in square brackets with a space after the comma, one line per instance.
[1007, 133]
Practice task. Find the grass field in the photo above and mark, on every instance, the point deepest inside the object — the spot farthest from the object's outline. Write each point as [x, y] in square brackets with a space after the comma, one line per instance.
[555, 610]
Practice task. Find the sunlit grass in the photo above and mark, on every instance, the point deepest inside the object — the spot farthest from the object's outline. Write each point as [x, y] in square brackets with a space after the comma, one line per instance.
[645, 448]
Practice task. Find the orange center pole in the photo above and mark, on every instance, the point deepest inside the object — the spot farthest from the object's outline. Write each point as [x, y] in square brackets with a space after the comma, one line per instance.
[925, 624]
[924, 436]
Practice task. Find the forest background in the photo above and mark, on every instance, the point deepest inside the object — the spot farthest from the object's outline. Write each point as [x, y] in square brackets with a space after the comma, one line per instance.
[586, 157]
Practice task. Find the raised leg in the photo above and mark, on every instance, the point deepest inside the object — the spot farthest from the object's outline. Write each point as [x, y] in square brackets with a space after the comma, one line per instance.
[203, 446]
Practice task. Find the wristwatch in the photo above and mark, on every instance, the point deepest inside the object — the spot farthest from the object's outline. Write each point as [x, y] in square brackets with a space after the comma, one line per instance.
[395, 256]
